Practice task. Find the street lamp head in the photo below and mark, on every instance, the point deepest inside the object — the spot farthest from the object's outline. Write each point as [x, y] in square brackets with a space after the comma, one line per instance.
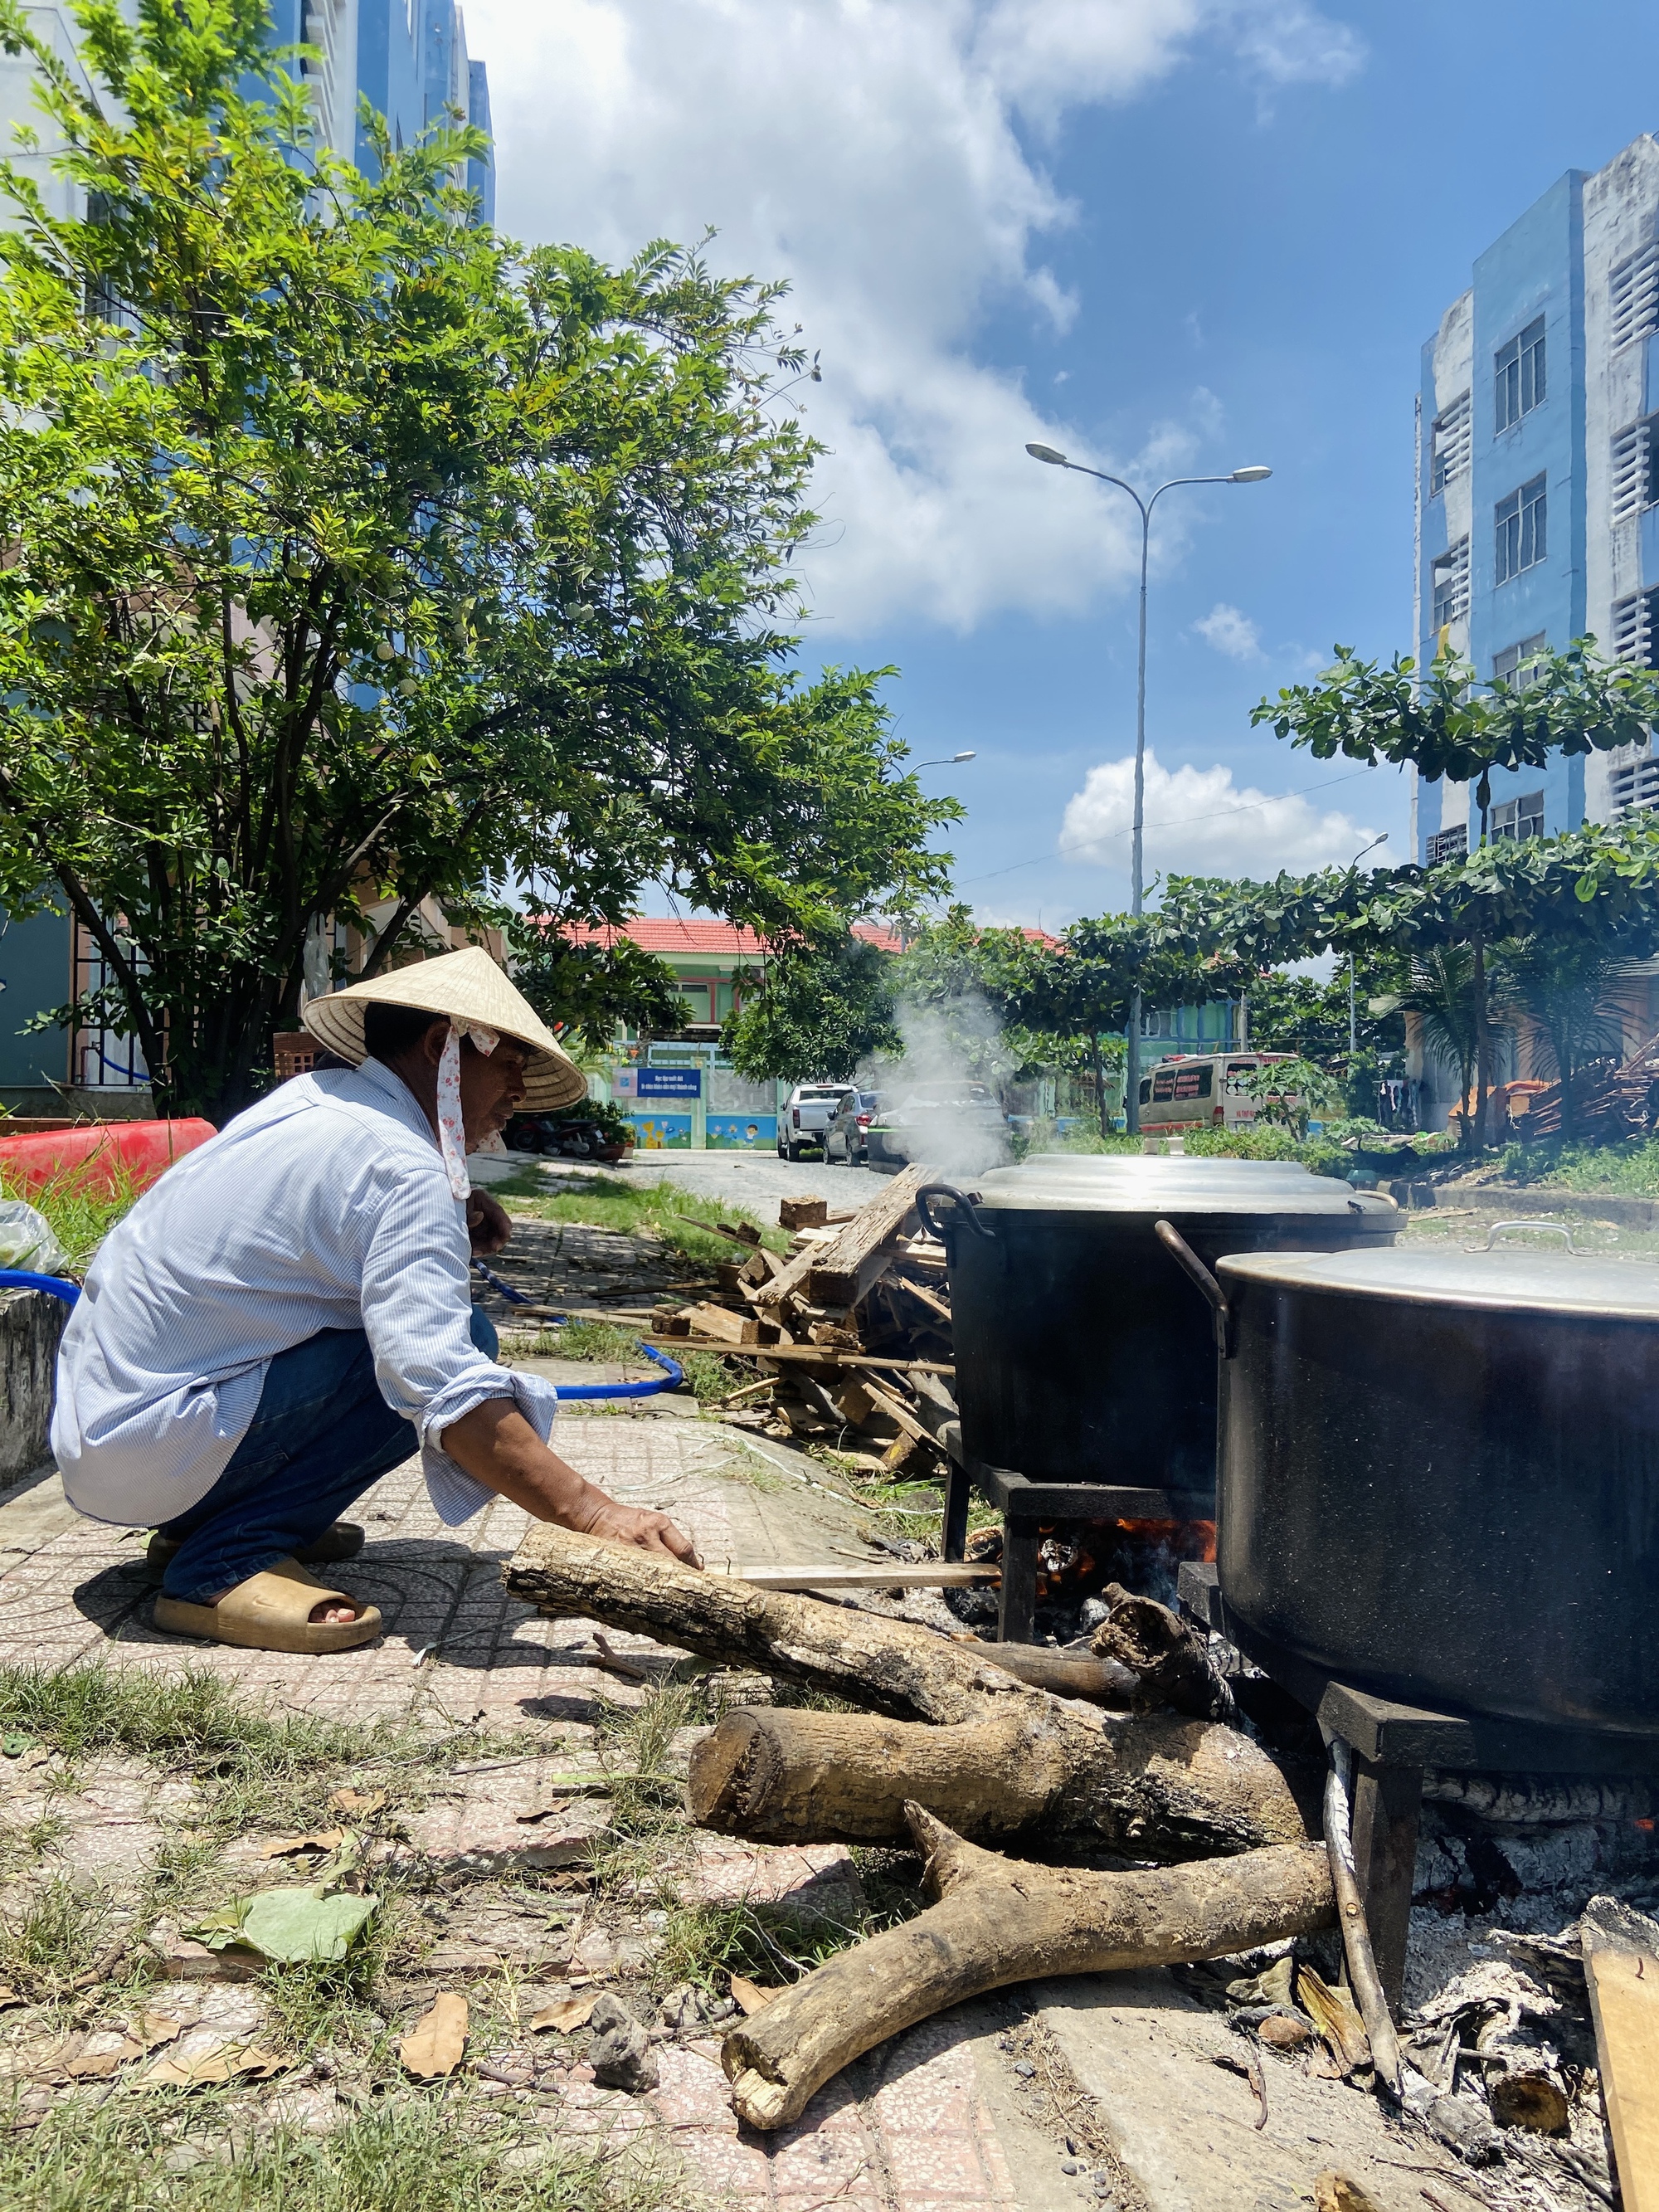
[963, 757]
[1253, 474]
[1049, 453]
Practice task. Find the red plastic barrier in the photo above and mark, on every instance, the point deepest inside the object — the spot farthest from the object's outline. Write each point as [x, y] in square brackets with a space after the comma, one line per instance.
[142, 1149]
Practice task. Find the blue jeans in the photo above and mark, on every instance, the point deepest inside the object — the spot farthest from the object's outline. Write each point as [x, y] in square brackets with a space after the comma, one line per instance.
[322, 1435]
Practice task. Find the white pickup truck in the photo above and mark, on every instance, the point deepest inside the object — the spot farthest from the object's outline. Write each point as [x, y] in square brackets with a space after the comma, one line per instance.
[811, 1109]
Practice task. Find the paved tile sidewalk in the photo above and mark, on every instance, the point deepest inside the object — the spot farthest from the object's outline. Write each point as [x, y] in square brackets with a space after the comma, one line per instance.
[456, 1642]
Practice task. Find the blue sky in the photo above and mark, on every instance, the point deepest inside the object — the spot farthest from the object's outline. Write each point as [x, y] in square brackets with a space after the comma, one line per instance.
[1169, 235]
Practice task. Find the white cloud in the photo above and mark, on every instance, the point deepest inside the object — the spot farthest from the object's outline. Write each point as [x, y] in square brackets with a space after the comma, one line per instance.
[1200, 822]
[867, 150]
[1230, 632]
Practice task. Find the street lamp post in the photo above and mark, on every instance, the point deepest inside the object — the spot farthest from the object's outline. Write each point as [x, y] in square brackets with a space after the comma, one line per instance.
[1253, 474]
[1353, 1025]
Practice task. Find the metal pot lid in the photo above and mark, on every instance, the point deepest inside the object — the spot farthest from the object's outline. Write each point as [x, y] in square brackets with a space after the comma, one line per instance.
[1492, 1282]
[1200, 1167]
[1149, 1186]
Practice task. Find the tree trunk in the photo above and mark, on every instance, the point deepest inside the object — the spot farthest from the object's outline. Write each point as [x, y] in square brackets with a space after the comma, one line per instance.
[997, 1923]
[1482, 1043]
[1164, 1787]
[1100, 1081]
[1153, 1785]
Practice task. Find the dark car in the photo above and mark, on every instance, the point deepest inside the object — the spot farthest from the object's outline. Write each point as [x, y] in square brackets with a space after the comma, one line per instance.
[956, 1127]
[848, 1137]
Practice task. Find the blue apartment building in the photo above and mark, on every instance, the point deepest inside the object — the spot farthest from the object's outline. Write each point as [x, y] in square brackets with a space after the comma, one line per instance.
[1538, 480]
[410, 58]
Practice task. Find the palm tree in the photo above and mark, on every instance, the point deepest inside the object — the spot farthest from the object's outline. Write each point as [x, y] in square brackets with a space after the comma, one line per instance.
[1566, 993]
[1441, 992]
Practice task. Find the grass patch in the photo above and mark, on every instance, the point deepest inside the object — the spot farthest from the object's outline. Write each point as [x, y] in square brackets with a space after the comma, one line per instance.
[1632, 1169]
[776, 1944]
[50, 1932]
[258, 1770]
[415, 2154]
[83, 1203]
[658, 1209]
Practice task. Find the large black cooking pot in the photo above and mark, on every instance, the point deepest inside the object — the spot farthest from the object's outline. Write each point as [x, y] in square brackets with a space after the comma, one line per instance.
[1440, 1476]
[1081, 1353]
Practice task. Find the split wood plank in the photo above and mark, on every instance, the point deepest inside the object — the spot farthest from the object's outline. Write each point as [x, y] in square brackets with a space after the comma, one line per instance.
[825, 1355]
[745, 1233]
[803, 1212]
[1624, 1992]
[896, 1410]
[722, 1325]
[934, 1574]
[924, 1297]
[867, 1246]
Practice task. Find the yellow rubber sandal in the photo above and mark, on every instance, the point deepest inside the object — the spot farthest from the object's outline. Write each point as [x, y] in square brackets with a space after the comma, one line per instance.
[341, 1539]
[270, 1612]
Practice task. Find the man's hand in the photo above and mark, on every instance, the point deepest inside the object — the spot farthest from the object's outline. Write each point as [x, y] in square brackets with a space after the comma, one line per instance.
[488, 1226]
[635, 1524]
[496, 1443]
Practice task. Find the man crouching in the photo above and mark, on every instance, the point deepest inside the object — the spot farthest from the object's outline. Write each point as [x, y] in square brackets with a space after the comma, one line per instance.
[287, 1315]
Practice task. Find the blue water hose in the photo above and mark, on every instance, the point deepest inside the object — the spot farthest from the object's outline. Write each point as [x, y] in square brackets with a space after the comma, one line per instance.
[20, 1279]
[671, 1380]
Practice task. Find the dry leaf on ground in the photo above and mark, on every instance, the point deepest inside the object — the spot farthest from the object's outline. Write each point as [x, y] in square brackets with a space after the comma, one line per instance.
[358, 1804]
[1337, 2192]
[98, 2066]
[437, 2043]
[288, 1847]
[1337, 2017]
[156, 2028]
[9, 1998]
[751, 1996]
[231, 2061]
[565, 2019]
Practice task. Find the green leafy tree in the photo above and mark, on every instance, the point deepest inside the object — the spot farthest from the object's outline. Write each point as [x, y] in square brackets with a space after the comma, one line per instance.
[818, 1011]
[1444, 722]
[585, 989]
[359, 557]
[1568, 996]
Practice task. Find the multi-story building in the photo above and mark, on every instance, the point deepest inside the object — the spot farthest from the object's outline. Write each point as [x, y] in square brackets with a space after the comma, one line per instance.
[1538, 480]
[410, 59]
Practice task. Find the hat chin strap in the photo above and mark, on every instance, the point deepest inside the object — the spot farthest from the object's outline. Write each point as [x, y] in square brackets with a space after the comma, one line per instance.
[451, 1131]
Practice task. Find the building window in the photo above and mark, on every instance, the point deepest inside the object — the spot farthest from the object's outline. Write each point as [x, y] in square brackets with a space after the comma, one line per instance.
[1449, 446]
[1634, 786]
[1522, 529]
[1519, 818]
[102, 1056]
[1634, 296]
[1636, 629]
[1635, 468]
[1516, 664]
[1448, 844]
[1451, 570]
[1520, 372]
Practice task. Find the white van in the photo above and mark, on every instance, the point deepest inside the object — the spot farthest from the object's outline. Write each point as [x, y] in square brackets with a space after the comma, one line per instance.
[1203, 1092]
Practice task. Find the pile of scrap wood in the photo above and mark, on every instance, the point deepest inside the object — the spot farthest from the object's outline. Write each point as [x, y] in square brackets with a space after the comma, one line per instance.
[960, 1748]
[849, 1333]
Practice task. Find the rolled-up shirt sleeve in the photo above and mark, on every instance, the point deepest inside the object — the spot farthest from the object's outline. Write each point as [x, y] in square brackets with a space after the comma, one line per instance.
[416, 1308]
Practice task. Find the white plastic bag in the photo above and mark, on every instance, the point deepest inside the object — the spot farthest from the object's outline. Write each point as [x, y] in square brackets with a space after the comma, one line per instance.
[27, 1241]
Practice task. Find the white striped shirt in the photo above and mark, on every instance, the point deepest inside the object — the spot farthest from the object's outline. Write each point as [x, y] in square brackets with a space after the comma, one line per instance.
[324, 1206]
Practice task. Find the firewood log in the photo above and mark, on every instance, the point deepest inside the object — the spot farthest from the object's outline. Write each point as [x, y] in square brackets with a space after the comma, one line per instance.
[1169, 1656]
[1155, 1786]
[1163, 1788]
[998, 1922]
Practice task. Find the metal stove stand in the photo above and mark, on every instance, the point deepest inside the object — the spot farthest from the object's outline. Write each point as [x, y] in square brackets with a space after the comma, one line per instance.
[1027, 1507]
[1391, 1745]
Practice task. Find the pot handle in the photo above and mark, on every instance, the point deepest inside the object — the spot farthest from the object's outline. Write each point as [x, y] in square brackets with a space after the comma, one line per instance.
[1553, 1228]
[962, 1210]
[1185, 1258]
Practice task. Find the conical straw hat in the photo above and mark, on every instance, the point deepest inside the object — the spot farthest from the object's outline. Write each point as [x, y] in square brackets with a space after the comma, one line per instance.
[470, 986]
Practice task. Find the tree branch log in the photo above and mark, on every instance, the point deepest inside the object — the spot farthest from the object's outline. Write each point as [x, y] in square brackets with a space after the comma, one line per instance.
[997, 1923]
[1155, 1786]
